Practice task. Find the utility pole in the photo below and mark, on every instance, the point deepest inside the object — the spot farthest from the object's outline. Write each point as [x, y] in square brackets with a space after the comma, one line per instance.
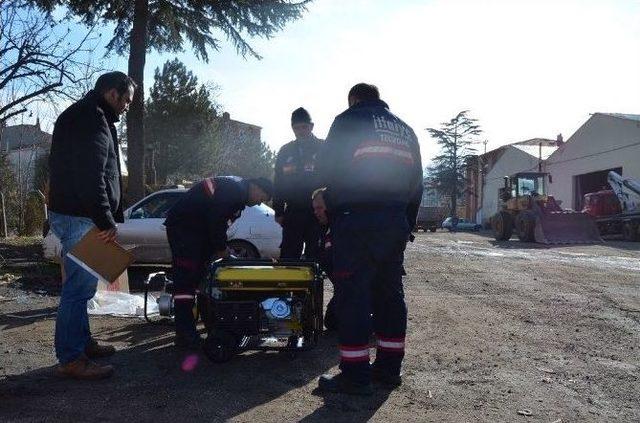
[485, 145]
[4, 215]
[539, 157]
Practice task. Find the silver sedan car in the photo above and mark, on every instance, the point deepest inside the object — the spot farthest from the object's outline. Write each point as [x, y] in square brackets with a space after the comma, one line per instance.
[254, 234]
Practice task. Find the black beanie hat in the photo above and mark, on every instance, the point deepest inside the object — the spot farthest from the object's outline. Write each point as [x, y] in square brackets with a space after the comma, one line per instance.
[264, 184]
[300, 115]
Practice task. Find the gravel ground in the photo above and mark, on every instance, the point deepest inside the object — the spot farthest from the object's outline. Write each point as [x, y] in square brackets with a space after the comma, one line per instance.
[498, 331]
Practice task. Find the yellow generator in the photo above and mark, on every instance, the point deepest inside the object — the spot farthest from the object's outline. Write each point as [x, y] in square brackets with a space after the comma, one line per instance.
[261, 305]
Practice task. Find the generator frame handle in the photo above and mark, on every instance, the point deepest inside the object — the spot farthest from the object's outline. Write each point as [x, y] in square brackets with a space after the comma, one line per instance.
[147, 283]
[262, 262]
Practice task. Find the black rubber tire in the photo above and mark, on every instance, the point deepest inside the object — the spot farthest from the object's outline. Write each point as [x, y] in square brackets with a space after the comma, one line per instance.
[243, 249]
[432, 229]
[525, 226]
[220, 346]
[502, 224]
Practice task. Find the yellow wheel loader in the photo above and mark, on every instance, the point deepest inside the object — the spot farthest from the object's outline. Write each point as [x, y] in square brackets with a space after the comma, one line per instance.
[536, 216]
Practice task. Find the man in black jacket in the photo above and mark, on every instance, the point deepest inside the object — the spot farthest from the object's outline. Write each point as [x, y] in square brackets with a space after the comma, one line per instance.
[371, 166]
[85, 192]
[295, 180]
[197, 230]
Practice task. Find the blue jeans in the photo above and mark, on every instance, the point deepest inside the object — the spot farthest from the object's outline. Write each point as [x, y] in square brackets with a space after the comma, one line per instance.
[79, 286]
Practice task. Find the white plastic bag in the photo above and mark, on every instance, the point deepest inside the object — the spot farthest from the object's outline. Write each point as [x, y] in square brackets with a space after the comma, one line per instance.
[121, 304]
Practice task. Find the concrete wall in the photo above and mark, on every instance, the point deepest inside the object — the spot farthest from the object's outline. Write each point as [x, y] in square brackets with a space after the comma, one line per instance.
[603, 142]
[512, 161]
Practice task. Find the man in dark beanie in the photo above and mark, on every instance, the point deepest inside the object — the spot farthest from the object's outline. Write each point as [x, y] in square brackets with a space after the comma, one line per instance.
[295, 181]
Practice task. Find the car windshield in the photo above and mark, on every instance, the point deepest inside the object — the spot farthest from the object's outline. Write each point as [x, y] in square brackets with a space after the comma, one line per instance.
[156, 207]
[530, 185]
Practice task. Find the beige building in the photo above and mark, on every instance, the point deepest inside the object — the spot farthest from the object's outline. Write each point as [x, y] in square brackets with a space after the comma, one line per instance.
[487, 171]
[606, 141]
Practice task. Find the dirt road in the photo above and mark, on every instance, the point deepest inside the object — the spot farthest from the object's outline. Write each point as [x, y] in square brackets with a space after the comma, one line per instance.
[506, 332]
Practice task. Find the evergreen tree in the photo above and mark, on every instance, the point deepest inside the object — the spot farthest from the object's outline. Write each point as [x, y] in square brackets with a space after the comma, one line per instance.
[166, 26]
[455, 138]
[188, 140]
[180, 124]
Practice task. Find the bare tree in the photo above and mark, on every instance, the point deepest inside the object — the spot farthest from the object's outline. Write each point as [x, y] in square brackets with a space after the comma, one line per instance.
[41, 60]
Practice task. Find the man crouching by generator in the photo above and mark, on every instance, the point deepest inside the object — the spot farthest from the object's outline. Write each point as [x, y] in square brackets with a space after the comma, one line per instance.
[321, 211]
[197, 231]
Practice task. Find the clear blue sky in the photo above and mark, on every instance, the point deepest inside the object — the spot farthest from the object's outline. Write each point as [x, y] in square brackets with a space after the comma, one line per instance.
[524, 68]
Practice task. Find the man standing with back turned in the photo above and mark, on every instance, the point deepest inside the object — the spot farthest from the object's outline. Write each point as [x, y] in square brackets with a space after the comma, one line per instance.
[85, 192]
[295, 180]
[371, 165]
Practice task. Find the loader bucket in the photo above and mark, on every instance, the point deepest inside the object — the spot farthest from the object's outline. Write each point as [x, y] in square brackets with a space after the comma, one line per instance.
[565, 227]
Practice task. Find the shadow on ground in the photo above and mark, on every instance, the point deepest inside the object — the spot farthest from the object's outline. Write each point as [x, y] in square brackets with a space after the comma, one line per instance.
[24, 318]
[153, 383]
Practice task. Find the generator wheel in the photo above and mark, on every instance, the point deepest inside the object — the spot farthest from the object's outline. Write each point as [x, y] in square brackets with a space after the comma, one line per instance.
[220, 346]
[630, 232]
[525, 226]
[502, 224]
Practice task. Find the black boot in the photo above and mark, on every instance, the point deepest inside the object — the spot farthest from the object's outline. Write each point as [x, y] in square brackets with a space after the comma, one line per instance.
[187, 342]
[385, 377]
[187, 336]
[340, 384]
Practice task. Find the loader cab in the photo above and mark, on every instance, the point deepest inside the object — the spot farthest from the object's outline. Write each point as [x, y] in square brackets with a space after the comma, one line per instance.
[530, 183]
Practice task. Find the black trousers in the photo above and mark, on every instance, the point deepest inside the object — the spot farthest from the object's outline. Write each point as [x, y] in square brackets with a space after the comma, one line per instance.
[368, 251]
[300, 229]
[191, 252]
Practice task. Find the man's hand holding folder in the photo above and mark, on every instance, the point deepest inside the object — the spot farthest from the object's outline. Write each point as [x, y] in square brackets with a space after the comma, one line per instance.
[108, 235]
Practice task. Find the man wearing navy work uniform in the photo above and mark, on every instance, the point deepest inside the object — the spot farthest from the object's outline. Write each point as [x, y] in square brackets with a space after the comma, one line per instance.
[295, 180]
[325, 253]
[371, 165]
[197, 230]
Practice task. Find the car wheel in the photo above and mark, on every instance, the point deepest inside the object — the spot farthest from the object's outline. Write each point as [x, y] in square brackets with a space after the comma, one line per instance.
[243, 249]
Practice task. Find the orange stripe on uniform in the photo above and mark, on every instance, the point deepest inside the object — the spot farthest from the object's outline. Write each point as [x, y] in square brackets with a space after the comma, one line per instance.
[354, 353]
[210, 186]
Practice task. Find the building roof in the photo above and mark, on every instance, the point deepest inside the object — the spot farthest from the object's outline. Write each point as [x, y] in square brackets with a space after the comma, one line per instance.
[546, 142]
[227, 117]
[530, 146]
[622, 116]
[23, 136]
[536, 151]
